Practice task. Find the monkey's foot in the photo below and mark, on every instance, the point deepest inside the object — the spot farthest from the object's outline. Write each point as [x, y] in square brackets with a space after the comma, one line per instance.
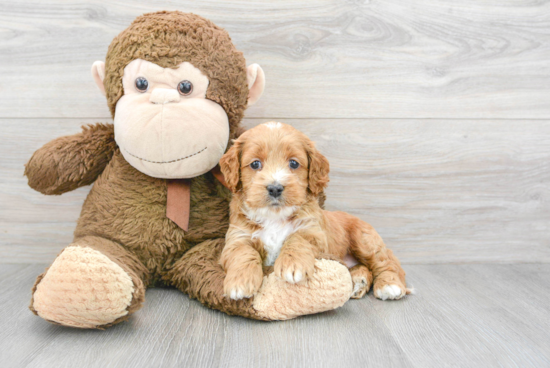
[328, 288]
[83, 288]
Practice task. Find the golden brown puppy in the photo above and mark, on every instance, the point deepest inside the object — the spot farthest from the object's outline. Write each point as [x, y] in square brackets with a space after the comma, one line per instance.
[276, 175]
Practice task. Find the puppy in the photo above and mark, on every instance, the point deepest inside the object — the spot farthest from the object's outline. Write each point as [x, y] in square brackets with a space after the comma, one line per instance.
[276, 175]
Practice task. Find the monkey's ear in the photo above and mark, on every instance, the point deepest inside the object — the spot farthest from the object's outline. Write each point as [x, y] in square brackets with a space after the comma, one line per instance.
[256, 83]
[230, 166]
[318, 170]
[98, 73]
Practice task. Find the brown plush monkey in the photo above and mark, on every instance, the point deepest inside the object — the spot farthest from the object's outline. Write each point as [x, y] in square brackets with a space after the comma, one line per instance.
[157, 213]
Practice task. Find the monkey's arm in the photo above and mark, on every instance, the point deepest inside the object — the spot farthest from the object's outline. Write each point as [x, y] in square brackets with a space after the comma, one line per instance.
[70, 162]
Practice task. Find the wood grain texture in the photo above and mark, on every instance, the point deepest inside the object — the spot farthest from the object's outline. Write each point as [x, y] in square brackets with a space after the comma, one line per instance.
[461, 316]
[473, 316]
[327, 58]
[438, 191]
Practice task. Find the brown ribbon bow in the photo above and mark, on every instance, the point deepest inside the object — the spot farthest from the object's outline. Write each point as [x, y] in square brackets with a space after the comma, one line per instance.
[178, 201]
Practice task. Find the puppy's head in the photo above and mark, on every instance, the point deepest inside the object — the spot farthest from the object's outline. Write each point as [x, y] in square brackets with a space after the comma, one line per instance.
[274, 165]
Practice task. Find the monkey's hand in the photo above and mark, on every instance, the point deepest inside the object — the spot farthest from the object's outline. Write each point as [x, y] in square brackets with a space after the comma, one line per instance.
[70, 162]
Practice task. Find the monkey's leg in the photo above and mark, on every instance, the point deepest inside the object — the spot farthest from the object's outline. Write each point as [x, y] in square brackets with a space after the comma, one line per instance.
[389, 278]
[93, 283]
[199, 274]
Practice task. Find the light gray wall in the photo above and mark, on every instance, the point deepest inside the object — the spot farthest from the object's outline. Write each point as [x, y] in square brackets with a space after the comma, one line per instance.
[435, 115]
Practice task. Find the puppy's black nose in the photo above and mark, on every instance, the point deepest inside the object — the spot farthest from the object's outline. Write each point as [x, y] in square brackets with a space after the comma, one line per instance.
[275, 190]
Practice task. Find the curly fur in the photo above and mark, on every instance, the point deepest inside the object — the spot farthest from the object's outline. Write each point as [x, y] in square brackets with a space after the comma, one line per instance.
[291, 229]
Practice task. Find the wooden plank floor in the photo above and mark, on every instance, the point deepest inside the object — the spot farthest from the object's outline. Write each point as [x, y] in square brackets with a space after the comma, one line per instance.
[462, 315]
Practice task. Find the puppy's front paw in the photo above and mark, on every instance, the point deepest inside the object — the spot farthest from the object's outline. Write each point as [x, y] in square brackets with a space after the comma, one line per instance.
[244, 284]
[293, 269]
[389, 291]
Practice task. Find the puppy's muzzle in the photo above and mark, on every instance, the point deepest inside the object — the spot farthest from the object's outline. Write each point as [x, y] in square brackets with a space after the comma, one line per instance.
[275, 191]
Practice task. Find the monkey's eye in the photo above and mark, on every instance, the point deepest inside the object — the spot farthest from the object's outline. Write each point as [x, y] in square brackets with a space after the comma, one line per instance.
[256, 165]
[185, 88]
[293, 164]
[141, 84]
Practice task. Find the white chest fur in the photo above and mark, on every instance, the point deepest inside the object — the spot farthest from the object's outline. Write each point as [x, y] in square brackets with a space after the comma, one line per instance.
[275, 229]
[273, 235]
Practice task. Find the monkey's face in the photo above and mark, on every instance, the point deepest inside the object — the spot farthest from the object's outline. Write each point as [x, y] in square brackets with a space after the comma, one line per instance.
[164, 125]
[176, 95]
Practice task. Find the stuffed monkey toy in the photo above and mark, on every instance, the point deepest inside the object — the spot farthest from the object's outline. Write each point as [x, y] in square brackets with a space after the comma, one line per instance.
[158, 210]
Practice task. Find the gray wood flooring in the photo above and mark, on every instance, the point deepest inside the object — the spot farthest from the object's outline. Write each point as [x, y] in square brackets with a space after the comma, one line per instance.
[461, 316]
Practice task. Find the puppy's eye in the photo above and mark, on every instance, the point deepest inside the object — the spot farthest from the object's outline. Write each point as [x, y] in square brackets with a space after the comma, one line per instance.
[185, 88]
[141, 84]
[293, 164]
[256, 165]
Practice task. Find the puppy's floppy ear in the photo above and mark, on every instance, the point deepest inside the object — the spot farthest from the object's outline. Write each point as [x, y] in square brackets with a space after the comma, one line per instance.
[230, 165]
[318, 170]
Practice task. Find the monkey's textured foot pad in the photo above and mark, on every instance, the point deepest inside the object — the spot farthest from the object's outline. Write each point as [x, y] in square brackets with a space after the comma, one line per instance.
[329, 288]
[83, 288]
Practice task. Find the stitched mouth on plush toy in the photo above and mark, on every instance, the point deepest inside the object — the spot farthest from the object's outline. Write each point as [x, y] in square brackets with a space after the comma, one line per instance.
[166, 162]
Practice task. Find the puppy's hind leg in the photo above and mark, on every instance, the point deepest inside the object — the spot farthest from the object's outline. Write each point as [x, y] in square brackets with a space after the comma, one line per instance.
[362, 280]
[369, 249]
